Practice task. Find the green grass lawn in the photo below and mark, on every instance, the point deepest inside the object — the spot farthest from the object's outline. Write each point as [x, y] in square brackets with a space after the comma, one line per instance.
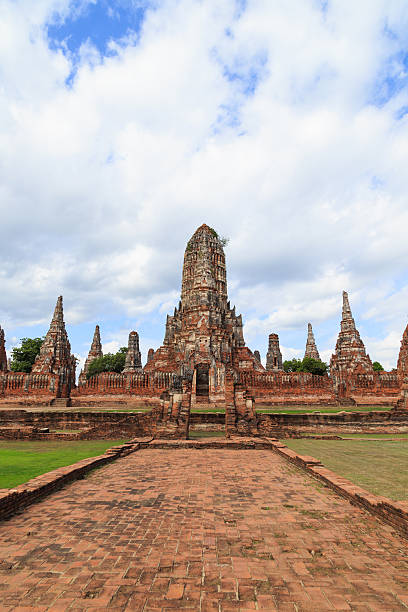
[302, 409]
[378, 466]
[370, 436]
[322, 409]
[22, 460]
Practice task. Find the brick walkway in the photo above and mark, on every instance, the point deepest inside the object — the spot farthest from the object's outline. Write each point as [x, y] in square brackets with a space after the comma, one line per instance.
[200, 530]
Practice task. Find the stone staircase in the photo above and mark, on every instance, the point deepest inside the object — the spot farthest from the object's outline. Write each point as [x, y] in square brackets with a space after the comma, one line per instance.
[61, 402]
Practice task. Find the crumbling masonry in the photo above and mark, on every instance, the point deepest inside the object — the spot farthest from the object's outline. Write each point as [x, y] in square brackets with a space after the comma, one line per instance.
[204, 360]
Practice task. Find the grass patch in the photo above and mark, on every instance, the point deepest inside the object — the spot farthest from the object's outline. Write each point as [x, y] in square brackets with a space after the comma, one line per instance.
[370, 436]
[196, 433]
[378, 467]
[322, 409]
[22, 460]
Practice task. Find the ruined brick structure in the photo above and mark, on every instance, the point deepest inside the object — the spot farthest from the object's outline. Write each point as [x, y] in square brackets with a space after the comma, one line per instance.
[274, 355]
[204, 336]
[133, 362]
[311, 348]
[402, 366]
[204, 359]
[94, 352]
[55, 355]
[3, 356]
[350, 356]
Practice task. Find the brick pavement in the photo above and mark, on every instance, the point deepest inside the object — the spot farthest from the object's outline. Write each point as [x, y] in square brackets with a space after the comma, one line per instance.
[200, 530]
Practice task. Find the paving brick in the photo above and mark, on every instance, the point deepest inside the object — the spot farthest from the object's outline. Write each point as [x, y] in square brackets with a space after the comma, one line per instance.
[208, 530]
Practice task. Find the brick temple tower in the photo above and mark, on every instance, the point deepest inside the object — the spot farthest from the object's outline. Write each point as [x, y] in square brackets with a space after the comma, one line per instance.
[402, 366]
[94, 352]
[55, 354]
[3, 355]
[204, 336]
[350, 354]
[274, 355]
[311, 348]
[133, 362]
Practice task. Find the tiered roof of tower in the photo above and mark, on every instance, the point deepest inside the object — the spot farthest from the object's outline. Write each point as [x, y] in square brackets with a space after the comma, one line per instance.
[311, 348]
[3, 355]
[203, 328]
[55, 354]
[94, 352]
[350, 353]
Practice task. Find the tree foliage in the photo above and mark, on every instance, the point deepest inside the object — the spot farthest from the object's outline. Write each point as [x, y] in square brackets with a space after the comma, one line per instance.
[377, 367]
[111, 362]
[23, 357]
[307, 364]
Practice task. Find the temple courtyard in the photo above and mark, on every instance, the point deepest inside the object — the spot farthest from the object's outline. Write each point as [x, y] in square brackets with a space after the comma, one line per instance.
[208, 529]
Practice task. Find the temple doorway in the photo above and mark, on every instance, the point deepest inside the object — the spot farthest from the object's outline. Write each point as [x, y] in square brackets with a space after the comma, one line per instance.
[202, 381]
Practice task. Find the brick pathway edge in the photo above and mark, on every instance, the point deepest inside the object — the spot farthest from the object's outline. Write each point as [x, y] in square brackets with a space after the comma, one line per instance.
[391, 512]
[16, 499]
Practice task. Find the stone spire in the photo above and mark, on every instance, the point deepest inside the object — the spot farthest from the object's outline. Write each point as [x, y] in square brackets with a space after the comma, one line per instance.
[350, 353]
[150, 355]
[257, 356]
[94, 352]
[204, 333]
[55, 354]
[3, 356]
[311, 348]
[133, 362]
[402, 366]
[274, 356]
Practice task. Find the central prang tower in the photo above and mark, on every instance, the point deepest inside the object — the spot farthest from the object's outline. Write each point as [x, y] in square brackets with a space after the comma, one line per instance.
[204, 336]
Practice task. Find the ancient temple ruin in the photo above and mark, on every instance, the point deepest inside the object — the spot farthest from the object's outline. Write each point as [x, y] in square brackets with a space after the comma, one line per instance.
[402, 365]
[311, 348]
[350, 353]
[204, 358]
[94, 352]
[3, 356]
[274, 355]
[133, 361]
[55, 355]
[204, 336]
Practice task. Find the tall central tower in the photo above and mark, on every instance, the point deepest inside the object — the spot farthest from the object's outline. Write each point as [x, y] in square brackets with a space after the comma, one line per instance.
[204, 273]
[204, 334]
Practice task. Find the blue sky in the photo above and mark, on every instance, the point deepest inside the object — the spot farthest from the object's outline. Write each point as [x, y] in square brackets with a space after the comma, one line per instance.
[283, 125]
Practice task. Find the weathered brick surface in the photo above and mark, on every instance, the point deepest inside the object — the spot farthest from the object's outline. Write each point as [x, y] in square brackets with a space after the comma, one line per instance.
[200, 530]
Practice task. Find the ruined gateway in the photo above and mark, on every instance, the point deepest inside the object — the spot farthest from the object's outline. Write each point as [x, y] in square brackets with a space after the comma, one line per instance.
[204, 348]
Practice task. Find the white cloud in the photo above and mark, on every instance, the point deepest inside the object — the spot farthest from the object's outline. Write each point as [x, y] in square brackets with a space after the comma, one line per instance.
[265, 127]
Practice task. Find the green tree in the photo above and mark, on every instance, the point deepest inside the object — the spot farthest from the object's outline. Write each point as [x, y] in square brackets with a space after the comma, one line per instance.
[307, 364]
[377, 367]
[314, 366]
[292, 365]
[23, 357]
[111, 362]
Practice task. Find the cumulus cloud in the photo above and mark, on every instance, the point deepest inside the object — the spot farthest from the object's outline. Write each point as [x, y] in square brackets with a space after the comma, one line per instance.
[280, 124]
